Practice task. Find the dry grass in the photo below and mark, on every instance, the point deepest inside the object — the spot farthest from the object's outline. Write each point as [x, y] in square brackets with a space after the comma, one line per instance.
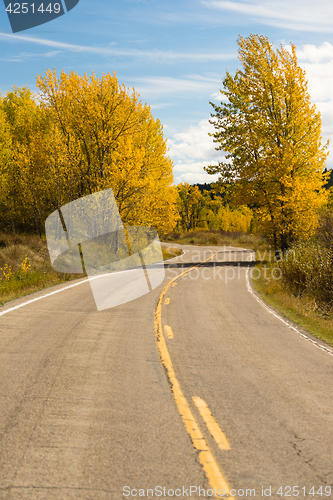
[303, 292]
[308, 270]
[217, 237]
[170, 252]
[303, 310]
[25, 266]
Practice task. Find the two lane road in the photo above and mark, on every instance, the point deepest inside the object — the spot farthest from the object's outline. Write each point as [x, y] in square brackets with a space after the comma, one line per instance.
[198, 387]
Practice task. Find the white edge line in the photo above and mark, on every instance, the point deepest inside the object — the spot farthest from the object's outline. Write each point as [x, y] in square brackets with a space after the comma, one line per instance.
[70, 286]
[265, 306]
[42, 297]
[90, 278]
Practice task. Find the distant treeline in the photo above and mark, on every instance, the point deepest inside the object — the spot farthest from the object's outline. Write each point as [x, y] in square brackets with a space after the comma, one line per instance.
[203, 206]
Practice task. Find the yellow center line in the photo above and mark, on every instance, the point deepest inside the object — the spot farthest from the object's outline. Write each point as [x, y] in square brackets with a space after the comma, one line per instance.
[167, 301]
[211, 423]
[168, 331]
[206, 458]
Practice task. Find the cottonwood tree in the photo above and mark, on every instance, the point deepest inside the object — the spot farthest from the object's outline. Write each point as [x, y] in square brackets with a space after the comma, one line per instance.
[271, 134]
[188, 204]
[24, 175]
[5, 163]
[107, 138]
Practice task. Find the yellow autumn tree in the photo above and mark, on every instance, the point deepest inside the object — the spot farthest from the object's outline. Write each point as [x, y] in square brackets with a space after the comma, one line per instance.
[5, 163]
[228, 219]
[188, 203]
[104, 137]
[24, 172]
[271, 134]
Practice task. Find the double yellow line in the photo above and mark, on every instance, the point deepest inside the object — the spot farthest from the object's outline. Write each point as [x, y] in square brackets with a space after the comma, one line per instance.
[209, 464]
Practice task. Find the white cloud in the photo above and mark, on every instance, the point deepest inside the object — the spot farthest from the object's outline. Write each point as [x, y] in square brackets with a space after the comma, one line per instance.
[217, 96]
[23, 56]
[193, 150]
[300, 15]
[163, 85]
[315, 54]
[194, 143]
[191, 167]
[196, 178]
[157, 55]
[320, 80]
[318, 64]
[161, 105]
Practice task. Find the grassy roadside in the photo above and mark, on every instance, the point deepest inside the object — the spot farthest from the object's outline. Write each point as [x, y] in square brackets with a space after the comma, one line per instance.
[170, 252]
[25, 266]
[266, 279]
[301, 310]
[216, 237]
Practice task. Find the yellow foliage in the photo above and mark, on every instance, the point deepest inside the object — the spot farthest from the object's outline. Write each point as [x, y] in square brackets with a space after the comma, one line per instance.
[7, 272]
[27, 176]
[207, 211]
[188, 204]
[25, 266]
[107, 138]
[272, 135]
[81, 135]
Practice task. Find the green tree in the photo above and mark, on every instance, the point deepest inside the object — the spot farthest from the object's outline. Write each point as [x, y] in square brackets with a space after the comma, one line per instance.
[271, 134]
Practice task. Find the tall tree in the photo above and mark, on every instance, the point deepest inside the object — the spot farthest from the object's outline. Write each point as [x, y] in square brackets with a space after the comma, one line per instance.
[271, 134]
[6, 208]
[24, 171]
[109, 139]
[188, 204]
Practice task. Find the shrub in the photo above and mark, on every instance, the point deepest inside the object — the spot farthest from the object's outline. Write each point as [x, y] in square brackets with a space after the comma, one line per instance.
[307, 268]
[325, 229]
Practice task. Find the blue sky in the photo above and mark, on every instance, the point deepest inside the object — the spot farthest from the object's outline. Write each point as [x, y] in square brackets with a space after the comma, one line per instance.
[175, 54]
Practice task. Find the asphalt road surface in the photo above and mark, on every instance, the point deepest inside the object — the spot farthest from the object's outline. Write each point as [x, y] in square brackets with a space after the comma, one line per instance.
[193, 387]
